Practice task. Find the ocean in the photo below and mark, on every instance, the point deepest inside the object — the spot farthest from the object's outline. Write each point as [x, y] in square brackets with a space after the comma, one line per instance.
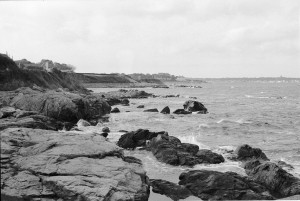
[262, 113]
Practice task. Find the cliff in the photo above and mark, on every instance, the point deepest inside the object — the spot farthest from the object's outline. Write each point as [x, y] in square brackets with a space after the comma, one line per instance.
[12, 77]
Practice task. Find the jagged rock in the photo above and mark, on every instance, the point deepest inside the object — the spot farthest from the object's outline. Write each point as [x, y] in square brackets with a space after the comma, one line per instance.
[151, 110]
[83, 123]
[7, 111]
[115, 110]
[173, 152]
[212, 185]
[246, 152]
[276, 179]
[136, 138]
[63, 106]
[194, 106]
[174, 191]
[166, 110]
[181, 111]
[140, 106]
[106, 130]
[68, 166]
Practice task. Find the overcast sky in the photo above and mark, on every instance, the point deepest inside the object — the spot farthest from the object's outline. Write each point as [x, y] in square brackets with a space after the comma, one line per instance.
[194, 38]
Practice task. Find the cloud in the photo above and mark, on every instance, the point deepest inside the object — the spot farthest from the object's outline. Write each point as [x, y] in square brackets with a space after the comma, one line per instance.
[157, 35]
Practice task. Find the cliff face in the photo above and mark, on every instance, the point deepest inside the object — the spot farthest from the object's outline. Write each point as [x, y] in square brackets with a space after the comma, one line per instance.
[12, 77]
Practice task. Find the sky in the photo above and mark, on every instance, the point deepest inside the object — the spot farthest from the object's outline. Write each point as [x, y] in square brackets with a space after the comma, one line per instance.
[193, 38]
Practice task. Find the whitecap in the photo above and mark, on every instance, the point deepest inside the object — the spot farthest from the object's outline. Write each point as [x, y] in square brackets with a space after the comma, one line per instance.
[249, 96]
[192, 140]
[204, 126]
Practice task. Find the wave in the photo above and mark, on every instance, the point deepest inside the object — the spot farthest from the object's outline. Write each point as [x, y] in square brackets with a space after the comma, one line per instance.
[192, 140]
[239, 121]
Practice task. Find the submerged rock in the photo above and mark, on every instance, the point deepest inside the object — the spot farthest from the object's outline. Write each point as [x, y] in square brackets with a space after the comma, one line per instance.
[140, 106]
[181, 111]
[151, 110]
[166, 110]
[68, 166]
[106, 130]
[212, 185]
[194, 106]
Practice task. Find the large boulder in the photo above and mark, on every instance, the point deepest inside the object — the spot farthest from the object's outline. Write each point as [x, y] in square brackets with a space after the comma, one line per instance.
[44, 164]
[277, 180]
[194, 106]
[170, 150]
[63, 106]
[212, 185]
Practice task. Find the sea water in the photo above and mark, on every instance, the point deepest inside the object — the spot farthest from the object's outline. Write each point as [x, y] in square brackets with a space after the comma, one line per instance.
[263, 114]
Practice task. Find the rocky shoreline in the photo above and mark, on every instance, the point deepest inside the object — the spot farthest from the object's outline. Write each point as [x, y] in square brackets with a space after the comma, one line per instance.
[47, 155]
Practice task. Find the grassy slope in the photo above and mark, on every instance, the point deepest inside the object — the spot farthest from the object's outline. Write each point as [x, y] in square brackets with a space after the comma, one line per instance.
[11, 77]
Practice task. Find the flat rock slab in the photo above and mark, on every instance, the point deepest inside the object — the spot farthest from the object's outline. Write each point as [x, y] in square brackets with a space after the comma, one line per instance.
[69, 166]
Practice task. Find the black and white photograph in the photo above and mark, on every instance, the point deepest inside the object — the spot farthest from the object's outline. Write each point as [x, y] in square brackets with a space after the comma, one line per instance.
[149, 100]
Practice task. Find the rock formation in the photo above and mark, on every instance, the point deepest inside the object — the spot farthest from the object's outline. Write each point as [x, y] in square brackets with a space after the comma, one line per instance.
[39, 164]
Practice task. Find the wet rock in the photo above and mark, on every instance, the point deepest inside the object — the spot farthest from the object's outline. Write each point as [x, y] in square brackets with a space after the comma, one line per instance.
[166, 110]
[173, 191]
[115, 110]
[151, 110]
[210, 157]
[246, 152]
[194, 106]
[181, 111]
[68, 166]
[83, 123]
[136, 138]
[212, 185]
[277, 180]
[104, 134]
[106, 130]
[140, 106]
[172, 151]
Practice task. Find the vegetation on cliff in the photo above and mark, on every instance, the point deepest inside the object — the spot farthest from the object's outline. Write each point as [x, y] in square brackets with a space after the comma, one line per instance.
[12, 77]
